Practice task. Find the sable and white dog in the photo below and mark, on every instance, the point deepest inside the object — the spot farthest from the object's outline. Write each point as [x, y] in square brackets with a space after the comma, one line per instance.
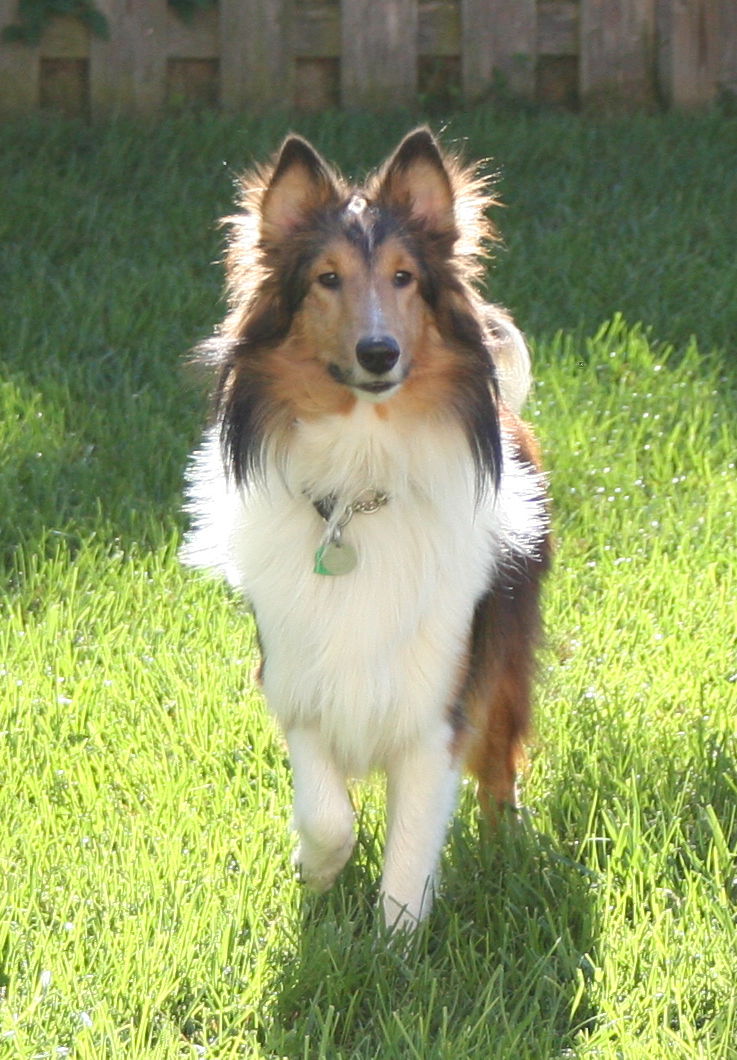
[368, 486]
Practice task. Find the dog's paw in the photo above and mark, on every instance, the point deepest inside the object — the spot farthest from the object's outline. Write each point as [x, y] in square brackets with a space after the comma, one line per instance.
[318, 869]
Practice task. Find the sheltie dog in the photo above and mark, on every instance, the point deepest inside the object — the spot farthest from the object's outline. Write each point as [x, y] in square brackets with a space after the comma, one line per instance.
[370, 489]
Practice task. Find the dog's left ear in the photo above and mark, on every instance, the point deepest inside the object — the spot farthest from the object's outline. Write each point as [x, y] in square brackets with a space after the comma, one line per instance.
[416, 177]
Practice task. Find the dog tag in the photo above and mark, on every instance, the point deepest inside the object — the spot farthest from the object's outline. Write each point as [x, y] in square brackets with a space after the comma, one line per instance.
[335, 558]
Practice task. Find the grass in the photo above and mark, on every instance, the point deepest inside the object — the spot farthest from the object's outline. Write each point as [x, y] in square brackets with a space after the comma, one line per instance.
[148, 904]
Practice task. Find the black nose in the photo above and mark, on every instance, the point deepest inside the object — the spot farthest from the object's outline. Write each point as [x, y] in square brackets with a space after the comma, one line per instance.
[377, 355]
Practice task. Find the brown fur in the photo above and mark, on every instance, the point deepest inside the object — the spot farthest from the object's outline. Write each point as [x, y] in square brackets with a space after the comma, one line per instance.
[506, 629]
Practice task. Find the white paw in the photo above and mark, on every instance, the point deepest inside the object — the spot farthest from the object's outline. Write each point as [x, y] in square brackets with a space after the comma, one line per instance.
[318, 868]
[406, 916]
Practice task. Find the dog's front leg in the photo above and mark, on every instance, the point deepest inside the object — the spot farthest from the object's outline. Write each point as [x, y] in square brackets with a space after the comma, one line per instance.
[422, 787]
[323, 815]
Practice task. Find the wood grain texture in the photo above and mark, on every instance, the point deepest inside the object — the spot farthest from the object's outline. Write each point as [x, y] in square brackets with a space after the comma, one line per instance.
[128, 70]
[256, 54]
[689, 50]
[379, 53]
[617, 51]
[498, 46]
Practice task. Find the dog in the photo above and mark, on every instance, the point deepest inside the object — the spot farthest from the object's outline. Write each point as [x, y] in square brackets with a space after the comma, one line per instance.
[369, 487]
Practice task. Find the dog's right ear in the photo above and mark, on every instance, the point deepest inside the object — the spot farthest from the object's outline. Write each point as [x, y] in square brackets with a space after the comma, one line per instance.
[301, 182]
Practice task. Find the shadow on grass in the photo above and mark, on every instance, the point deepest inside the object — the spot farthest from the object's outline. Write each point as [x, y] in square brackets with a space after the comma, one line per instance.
[108, 466]
[501, 967]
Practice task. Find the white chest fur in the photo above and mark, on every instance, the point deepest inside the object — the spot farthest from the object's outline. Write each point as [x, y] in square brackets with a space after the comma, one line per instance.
[370, 658]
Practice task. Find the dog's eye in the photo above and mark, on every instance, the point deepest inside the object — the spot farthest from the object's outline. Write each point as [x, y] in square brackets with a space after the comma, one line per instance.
[402, 278]
[329, 279]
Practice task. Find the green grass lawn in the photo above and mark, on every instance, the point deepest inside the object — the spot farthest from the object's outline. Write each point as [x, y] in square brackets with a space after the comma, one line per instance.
[149, 908]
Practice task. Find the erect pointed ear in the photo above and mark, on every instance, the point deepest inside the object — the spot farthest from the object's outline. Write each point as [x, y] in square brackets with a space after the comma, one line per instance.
[300, 182]
[416, 177]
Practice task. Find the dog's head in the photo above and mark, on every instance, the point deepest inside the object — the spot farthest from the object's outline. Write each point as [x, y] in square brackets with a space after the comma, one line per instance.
[341, 293]
[351, 278]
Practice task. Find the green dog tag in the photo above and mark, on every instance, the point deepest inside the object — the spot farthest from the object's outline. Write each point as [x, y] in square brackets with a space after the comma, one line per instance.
[335, 558]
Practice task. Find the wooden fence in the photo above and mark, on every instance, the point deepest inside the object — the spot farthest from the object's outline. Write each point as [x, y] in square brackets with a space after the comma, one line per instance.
[256, 54]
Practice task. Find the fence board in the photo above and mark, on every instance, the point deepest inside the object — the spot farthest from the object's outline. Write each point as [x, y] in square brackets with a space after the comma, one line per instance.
[379, 53]
[318, 32]
[256, 53]
[19, 69]
[234, 28]
[557, 27]
[316, 84]
[689, 58]
[728, 37]
[498, 41]
[439, 29]
[128, 71]
[197, 38]
[66, 38]
[617, 50]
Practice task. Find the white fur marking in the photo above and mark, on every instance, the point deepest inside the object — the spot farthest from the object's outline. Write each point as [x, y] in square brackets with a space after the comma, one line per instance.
[421, 795]
[323, 815]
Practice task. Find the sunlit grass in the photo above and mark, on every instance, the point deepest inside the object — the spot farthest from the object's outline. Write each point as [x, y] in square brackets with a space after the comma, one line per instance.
[149, 906]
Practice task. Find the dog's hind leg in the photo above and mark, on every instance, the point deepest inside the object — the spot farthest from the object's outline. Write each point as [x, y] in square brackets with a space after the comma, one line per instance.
[323, 815]
[422, 787]
[497, 748]
[498, 699]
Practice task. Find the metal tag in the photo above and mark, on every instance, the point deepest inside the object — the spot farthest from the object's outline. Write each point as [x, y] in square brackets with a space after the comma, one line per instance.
[335, 558]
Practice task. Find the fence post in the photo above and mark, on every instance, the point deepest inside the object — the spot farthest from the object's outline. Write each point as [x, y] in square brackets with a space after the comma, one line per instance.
[728, 38]
[498, 42]
[688, 59]
[20, 75]
[378, 64]
[617, 51]
[256, 53]
[128, 70]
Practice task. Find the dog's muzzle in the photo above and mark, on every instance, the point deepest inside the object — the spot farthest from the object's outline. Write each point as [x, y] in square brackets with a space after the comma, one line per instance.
[377, 371]
[377, 356]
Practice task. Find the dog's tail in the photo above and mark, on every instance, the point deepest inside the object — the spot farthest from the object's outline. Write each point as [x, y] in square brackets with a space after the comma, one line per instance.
[511, 358]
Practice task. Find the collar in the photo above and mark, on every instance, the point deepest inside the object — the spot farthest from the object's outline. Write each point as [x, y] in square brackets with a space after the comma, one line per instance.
[368, 501]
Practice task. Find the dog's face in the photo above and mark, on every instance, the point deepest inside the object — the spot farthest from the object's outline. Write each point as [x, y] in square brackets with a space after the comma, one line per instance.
[362, 324]
[364, 316]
